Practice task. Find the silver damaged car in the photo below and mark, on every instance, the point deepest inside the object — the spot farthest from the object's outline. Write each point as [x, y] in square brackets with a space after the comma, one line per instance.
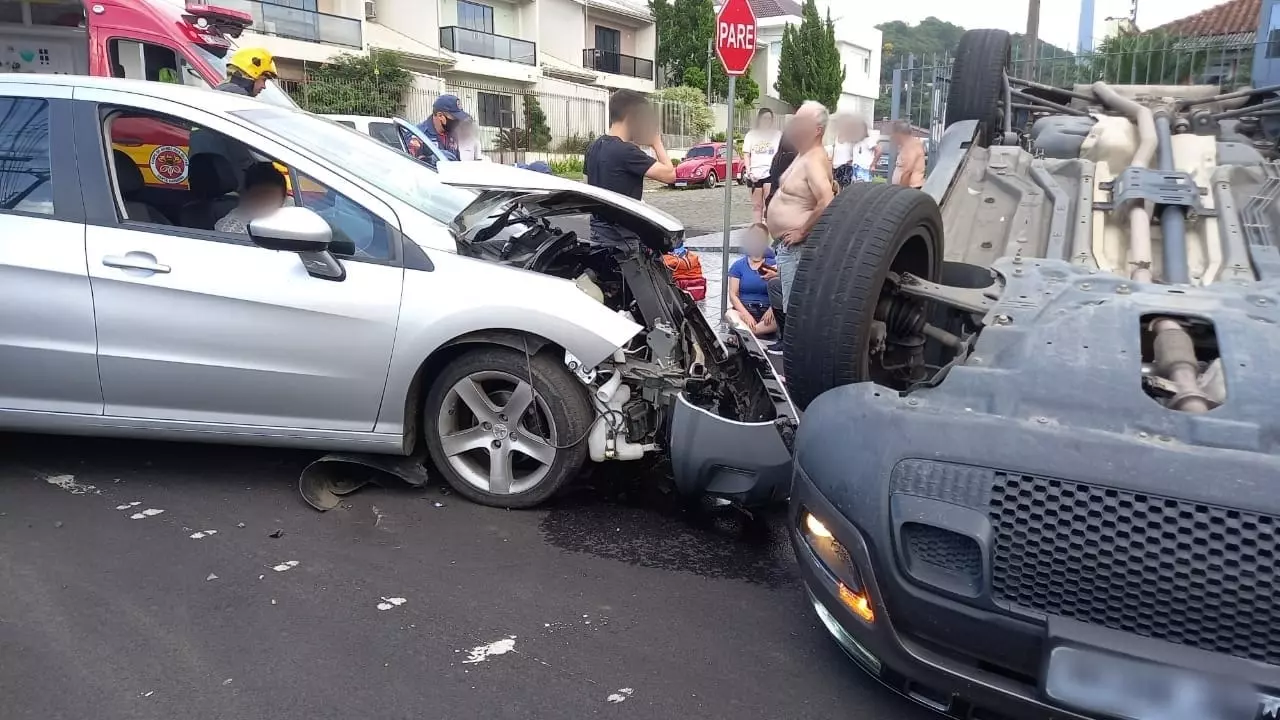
[382, 310]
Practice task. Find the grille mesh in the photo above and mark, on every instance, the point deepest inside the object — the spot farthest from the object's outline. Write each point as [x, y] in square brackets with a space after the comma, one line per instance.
[1167, 569]
[943, 548]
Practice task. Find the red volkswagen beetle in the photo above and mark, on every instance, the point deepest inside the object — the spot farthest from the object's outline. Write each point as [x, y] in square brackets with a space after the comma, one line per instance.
[704, 165]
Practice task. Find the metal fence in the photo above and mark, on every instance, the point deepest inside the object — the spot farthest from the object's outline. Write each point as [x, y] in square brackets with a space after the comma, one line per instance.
[515, 125]
[917, 89]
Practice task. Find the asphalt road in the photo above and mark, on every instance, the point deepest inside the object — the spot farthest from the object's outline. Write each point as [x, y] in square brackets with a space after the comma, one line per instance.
[614, 602]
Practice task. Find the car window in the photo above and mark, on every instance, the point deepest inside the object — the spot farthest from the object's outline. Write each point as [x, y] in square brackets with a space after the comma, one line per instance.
[26, 173]
[348, 220]
[701, 151]
[346, 123]
[391, 171]
[149, 61]
[385, 133]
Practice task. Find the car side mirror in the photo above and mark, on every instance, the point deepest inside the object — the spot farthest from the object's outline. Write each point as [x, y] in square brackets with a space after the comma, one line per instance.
[302, 231]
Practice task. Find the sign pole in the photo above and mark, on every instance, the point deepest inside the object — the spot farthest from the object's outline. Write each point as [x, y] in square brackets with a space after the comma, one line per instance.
[729, 179]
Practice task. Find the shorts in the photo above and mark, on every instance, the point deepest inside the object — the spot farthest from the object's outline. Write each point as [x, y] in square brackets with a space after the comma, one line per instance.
[757, 310]
[757, 184]
[787, 258]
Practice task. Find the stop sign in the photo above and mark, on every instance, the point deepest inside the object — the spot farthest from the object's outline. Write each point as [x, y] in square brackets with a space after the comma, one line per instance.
[736, 36]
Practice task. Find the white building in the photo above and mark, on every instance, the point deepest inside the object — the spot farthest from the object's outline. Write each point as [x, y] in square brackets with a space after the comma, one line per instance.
[491, 53]
[859, 44]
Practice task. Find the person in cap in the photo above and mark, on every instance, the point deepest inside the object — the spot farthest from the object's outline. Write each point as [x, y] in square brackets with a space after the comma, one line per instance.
[248, 71]
[441, 128]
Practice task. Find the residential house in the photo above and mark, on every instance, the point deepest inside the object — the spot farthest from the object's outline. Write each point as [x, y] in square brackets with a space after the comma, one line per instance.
[1224, 37]
[859, 44]
[493, 54]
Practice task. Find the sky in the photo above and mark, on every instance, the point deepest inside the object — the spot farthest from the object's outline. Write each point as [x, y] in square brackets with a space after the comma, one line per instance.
[1059, 19]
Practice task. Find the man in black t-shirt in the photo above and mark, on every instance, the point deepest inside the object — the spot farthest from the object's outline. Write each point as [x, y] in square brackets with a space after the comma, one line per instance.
[616, 162]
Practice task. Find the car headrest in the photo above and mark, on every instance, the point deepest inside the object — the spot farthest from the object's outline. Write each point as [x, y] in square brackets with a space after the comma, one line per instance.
[128, 176]
[211, 175]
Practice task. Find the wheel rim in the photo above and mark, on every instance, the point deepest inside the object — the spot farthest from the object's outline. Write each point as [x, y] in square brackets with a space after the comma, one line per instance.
[498, 434]
[913, 256]
[712, 179]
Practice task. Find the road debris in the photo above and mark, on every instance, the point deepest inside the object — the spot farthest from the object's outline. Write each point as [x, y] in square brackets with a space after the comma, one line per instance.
[211, 577]
[240, 525]
[227, 681]
[277, 534]
[128, 506]
[68, 483]
[57, 523]
[286, 565]
[482, 653]
[200, 535]
[149, 512]
[388, 603]
[620, 696]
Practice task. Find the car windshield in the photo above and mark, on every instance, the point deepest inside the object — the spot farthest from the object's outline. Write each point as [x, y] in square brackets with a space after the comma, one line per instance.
[391, 171]
[701, 151]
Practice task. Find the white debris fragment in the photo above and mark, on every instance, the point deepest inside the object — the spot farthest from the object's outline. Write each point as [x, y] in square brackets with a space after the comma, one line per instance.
[620, 696]
[211, 577]
[68, 483]
[126, 506]
[203, 534]
[261, 576]
[273, 601]
[388, 603]
[227, 681]
[149, 512]
[149, 693]
[287, 565]
[481, 653]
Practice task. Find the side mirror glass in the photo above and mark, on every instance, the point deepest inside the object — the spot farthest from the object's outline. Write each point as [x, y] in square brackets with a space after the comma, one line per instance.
[292, 229]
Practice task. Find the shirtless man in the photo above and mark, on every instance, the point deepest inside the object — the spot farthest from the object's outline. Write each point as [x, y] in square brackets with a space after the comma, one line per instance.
[908, 170]
[805, 190]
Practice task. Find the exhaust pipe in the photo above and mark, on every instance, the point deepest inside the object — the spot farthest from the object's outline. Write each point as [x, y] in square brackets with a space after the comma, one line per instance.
[1173, 219]
[1139, 218]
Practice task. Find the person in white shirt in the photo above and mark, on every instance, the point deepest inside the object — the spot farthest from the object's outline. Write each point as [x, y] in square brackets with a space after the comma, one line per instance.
[758, 149]
[469, 145]
[853, 156]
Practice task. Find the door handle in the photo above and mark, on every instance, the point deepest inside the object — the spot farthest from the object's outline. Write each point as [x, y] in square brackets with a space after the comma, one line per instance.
[135, 261]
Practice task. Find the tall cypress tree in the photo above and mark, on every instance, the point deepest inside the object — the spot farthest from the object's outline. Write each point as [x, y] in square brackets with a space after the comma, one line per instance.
[810, 67]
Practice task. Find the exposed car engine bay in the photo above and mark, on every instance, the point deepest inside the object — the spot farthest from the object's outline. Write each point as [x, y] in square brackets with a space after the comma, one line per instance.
[677, 354]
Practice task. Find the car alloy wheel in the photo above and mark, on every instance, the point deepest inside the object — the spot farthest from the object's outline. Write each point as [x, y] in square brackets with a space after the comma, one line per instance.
[497, 433]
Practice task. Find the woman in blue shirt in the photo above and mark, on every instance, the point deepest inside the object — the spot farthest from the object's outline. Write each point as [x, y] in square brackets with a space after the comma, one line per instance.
[749, 284]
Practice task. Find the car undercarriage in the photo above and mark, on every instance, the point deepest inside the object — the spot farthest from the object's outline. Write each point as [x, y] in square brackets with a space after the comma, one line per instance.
[1040, 431]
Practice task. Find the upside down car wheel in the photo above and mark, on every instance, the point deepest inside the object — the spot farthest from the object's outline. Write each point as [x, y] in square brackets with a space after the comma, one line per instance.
[506, 429]
[977, 80]
[868, 231]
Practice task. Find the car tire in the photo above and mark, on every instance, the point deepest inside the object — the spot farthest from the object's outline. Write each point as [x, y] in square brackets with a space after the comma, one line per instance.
[977, 80]
[550, 444]
[712, 179]
[868, 230]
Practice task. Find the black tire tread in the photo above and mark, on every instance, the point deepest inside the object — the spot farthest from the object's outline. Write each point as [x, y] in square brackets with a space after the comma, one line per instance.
[838, 281]
[564, 395]
[977, 82]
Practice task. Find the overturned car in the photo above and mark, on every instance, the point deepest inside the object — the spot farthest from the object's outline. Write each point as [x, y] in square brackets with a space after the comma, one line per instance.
[1036, 477]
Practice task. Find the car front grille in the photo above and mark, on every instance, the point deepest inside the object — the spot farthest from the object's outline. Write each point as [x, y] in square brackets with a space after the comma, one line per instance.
[1197, 575]
[1168, 569]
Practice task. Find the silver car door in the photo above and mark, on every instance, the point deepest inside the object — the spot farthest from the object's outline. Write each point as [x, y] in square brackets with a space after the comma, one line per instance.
[47, 343]
[203, 326]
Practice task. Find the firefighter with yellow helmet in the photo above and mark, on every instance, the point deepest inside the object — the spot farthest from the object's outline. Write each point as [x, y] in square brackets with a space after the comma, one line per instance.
[248, 70]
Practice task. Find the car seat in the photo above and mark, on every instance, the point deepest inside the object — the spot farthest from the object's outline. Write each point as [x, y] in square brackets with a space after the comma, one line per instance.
[211, 180]
[130, 181]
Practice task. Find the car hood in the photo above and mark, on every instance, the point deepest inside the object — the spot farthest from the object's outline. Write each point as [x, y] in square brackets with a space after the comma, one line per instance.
[543, 195]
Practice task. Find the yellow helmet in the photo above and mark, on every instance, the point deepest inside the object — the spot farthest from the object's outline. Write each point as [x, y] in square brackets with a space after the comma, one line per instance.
[253, 63]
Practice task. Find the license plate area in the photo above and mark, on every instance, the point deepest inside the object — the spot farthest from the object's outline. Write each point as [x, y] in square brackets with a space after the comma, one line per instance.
[1114, 686]
[682, 184]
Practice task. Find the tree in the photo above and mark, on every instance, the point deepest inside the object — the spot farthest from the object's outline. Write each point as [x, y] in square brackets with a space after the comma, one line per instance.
[810, 67]
[535, 123]
[356, 85]
[1149, 58]
[684, 111]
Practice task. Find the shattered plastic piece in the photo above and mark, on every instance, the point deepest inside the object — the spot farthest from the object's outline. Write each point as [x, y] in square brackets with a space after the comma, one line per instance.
[388, 603]
[620, 696]
[126, 506]
[149, 693]
[211, 577]
[277, 534]
[287, 565]
[481, 653]
[273, 601]
[227, 681]
[324, 481]
[68, 483]
[438, 504]
[203, 534]
[57, 523]
[239, 525]
[149, 512]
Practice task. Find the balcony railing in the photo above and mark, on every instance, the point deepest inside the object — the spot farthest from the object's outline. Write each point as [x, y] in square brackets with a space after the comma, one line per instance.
[289, 19]
[487, 45]
[617, 64]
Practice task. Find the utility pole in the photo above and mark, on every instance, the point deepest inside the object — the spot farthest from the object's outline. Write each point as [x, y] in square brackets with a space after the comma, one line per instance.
[1029, 45]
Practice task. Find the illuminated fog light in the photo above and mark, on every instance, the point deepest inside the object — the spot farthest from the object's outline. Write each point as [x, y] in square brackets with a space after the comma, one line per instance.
[855, 649]
[815, 526]
[857, 602]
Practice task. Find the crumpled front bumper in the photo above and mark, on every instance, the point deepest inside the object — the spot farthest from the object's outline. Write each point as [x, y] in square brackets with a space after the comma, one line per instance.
[745, 462]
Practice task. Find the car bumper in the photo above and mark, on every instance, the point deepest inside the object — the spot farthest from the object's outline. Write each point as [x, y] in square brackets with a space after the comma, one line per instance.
[745, 462]
[964, 655]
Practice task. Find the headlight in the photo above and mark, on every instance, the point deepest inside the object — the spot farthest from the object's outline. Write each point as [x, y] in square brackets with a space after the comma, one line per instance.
[836, 560]
[699, 170]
